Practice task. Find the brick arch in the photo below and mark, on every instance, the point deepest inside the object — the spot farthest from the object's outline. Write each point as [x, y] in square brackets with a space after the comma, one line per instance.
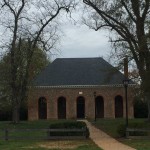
[118, 106]
[42, 108]
[99, 102]
[80, 105]
[61, 107]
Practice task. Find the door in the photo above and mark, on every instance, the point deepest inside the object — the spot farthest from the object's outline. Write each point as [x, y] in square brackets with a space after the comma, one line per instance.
[99, 107]
[80, 107]
[118, 107]
[61, 108]
[42, 108]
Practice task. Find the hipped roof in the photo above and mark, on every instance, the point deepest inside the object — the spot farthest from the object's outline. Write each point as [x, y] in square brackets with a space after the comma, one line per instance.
[79, 71]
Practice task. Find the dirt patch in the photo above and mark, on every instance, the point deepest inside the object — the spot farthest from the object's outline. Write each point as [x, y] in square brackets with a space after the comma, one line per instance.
[61, 144]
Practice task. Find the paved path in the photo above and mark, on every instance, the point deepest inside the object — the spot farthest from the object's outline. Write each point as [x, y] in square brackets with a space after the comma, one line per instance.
[105, 141]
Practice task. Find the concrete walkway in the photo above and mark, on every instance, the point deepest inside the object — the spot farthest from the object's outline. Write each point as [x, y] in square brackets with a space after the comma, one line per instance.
[104, 141]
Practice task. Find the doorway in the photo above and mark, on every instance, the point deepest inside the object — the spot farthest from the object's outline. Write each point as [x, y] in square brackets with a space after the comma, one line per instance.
[61, 108]
[80, 107]
[42, 108]
[118, 107]
[99, 107]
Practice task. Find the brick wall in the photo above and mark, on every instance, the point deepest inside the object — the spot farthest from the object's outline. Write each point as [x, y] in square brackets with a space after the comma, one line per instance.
[71, 95]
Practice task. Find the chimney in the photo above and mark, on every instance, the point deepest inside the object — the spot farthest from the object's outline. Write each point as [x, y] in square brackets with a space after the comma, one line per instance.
[126, 67]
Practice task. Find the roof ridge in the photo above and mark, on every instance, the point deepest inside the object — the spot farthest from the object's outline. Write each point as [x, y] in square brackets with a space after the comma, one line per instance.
[80, 58]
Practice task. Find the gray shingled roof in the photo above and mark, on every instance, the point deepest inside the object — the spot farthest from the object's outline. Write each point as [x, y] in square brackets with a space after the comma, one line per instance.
[79, 71]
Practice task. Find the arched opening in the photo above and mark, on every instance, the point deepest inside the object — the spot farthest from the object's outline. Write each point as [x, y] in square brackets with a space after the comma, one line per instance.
[42, 108]
[61, 108]
[99, 107]
[80, 107]
[118, 107]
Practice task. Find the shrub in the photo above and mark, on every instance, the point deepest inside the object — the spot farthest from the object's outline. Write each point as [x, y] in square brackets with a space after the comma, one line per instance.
[140, 109]
[69, 125]
[137, 126]
[23, 113]
[121, 130]
[5, 115]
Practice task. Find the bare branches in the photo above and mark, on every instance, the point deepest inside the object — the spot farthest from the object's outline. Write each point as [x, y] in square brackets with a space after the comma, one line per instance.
[130, 21]
[53, 16]
[36, 24]
[6, 3]
[136, 8]
[128, 11]
[146, 10]
[127, 28]
[113, 22]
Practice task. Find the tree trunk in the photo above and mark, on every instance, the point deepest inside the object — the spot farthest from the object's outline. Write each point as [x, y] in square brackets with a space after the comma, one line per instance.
[149, 109]
[147, 97]
[15, 112]
[16, 115]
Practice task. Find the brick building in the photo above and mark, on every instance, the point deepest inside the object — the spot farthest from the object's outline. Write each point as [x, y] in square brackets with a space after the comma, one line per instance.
[72, 88]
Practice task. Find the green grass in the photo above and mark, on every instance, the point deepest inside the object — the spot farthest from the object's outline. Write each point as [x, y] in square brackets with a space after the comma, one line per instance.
[137, 144]
[34, 125]
[42, 124]
[49, 145]
[40, 144]
[30, 124]
[110, 127]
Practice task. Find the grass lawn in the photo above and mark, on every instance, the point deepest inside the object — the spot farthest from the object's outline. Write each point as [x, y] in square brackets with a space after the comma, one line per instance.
[29, 124]
[138, 144]
[41, 144]
[110, 127]
[49, 145]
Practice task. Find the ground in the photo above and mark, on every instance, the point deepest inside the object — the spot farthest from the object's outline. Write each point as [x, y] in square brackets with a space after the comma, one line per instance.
[48, 145]
[107, 125]
[40, 144]
[110, 127]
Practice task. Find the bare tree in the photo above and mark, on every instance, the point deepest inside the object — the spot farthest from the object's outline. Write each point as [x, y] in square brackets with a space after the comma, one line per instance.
[36, 22]
[128, 21]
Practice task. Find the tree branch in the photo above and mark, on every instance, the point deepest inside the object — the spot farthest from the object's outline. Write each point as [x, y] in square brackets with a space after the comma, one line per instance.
[135, 7]
[46, 23]
[147, 5]
[9, 6]
[128, 11]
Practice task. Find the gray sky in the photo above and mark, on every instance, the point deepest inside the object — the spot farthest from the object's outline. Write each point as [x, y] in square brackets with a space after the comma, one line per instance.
[80, 41]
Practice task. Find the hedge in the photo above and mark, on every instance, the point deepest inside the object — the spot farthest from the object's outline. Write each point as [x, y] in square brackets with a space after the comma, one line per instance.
[69, 125]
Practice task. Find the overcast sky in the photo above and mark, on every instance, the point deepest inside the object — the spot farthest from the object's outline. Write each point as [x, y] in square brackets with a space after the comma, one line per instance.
[84, 42]
[80, 41]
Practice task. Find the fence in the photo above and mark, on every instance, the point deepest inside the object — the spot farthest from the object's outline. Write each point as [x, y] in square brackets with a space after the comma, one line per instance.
[42, 134]
[138, 133]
